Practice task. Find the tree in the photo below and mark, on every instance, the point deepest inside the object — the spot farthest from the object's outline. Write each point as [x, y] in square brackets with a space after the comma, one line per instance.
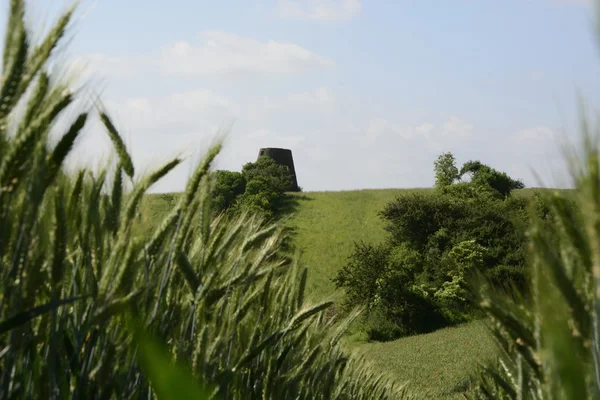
[259, 188]
[446, 171]
[266, 183]
[416, 280]
[482, 177]
[278, 176]
[229, 186]
[485, 177]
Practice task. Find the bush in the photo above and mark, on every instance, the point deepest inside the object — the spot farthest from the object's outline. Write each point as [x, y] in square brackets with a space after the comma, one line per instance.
[260, 188]
[277, 176]
[360, 276]
[379, 326]
[384, 279]
[228, 187]
[433, 224]
[486, 178]
[417, 280]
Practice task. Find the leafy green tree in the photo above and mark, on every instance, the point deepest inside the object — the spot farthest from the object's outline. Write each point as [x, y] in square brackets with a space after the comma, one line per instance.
[260, 188]
[278, 176]
[433, 224]
[485, 177]
[266, 185]
[467, 257]
[446, 171]
[360, 276]
[383, 279]
[416, 281]
[229, 186]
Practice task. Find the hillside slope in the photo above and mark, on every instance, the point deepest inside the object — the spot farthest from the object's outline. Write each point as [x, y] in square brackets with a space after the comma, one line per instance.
[324, 226]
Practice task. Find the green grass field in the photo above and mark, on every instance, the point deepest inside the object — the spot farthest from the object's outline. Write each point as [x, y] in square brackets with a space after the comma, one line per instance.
[324, 226]
[435, 364]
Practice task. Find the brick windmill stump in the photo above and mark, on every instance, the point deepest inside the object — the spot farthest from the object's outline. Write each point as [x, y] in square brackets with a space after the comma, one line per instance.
[282, 157]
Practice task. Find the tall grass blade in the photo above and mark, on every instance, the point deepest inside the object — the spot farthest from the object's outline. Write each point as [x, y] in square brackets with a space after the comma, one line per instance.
[119, 145]
[64, 146]
[25, 316]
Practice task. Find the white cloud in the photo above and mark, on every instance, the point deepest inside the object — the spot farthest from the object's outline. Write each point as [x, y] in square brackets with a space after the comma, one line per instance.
[456, 129]
[535, 135]
[537, 149]
[540, 140]
[109, 65]
[258, 133]
[425, 128]
[327, 133]
[266, 136]
[222, 53]
[139, 104]
[200, 99]
[321, 97]
[452, 131]
[319, 100]
[191, 105]
[381, 129]
[218, 53]
[319, 10]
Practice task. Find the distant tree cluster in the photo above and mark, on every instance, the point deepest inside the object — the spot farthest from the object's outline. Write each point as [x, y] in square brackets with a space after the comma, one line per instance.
[416, 281]
[482, 177]
[259, 188]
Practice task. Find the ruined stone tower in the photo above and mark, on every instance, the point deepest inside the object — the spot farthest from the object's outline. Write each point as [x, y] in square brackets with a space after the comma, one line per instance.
[281, 157]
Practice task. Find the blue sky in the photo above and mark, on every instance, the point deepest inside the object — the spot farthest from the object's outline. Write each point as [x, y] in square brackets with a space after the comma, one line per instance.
[365, 93]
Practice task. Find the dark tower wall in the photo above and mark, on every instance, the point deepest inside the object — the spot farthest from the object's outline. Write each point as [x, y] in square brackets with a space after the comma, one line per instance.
[281, 157]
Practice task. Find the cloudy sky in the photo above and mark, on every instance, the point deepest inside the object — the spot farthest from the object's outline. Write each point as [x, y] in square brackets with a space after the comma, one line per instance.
[366, 93]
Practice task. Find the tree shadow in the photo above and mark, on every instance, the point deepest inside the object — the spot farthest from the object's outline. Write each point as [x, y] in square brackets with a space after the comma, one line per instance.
[290, 204]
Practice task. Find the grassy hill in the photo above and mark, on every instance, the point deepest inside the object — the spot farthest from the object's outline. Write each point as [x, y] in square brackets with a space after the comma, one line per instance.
[435, 364]
[324, 226]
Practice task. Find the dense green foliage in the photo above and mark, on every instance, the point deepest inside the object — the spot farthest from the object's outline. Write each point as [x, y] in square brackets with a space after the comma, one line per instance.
[229, 186]
[415, 281]
[481, 178]
[260, 188]
[446, 172]
[213, 291]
